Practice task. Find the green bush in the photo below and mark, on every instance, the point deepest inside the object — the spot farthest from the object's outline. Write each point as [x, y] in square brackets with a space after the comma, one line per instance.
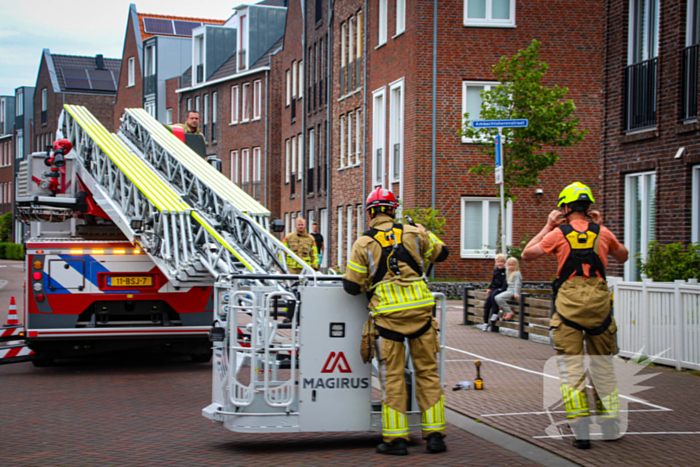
[6, 227]
[11, 251]
[666, 263]
[429, 218]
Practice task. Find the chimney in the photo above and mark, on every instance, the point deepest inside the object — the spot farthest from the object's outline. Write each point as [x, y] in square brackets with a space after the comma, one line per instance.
[100, 61]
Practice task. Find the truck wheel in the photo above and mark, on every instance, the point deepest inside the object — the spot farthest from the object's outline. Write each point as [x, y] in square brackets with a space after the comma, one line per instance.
[201, 357]
[42, 362]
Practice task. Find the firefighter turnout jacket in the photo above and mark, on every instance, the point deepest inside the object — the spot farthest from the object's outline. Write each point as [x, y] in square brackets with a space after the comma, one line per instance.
[304, 246]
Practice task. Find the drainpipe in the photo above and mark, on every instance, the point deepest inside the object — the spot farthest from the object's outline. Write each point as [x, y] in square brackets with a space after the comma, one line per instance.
[432, 179]
[328, 132]
[267, 118]
[303, 113]
[364, 121]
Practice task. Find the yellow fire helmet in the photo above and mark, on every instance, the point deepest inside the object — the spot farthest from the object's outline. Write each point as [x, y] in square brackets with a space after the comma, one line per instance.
[577, 191]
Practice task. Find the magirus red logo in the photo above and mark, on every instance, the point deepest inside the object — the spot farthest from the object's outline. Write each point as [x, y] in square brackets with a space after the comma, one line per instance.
[336, 360]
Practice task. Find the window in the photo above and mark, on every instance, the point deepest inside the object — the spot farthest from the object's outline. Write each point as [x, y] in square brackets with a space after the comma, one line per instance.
[300, 65]
[294, 155]
[288, 99]
[640, 219]
[295, 72]
[301, 156]
[168, 116]
[196, 103]
[350, 32]
[358, 136]
[489, 13]
[643, 30]
[360, 224]
[480, 226]
[351, 146]
[205, 120]
[312, 151]
[471, 99]
[689, 62]
[287, 162]
[257, 99]
[189, 104]
[214, 111]
[244, 100]
[235, 168]
[378, 138]
[149, 60]
[150, 107]
[44, 104]
[695, 217]
[131, 73]
[323, 229]
[243, 44]
[396, 131]
[341, 266]
[19, 144]
[359, 35]
[256, 172]
[19, 103]
[198, 60]
[692, 26]
[245, 171]
[342, 141]
[319, 10]
[382, 22]
[287, 223]
[401, 16]
[235, 97]
[350, 239]
[343, 33]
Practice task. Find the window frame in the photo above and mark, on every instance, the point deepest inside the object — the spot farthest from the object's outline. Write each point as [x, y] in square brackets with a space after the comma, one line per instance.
[358, 135]
[288, 99]
[341, 266]
[379, 137]
[483, 253]
[295, 72]
[647, 53]
[131, 72]
[235, 100]
[489, 21]
[235, 167]
[382, 22]
[312, 149]
[400, 17]
[287, 160]
[487, 85]
[214, 112]
[168, 116]
[350, 214]
[343, 54]
[396, 128]
[351, 20]
[643, 224]
[205, 120]
[152, 55]
[342, 141]
[245, 159]
[358, 53]
[257, 165]
[300, 66]
[44, 99]
[257, 99]
[695, 213]
[349, 133]
[294, 155]
[691, 26]
[300, 164]
[245, 115]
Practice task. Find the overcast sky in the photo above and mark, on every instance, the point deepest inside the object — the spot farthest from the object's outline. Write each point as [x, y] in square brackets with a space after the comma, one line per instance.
[78, 27]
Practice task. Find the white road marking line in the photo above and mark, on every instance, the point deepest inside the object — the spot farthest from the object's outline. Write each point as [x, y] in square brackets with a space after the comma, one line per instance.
[3, 283]
[633, 399]
[560, 411]
[459, 360]
[630, 433]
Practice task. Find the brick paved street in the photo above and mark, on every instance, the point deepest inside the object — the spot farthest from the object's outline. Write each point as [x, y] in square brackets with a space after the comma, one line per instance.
[514, 389]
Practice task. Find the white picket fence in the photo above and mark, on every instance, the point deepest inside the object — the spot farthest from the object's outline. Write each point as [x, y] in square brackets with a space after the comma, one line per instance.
[660, 320]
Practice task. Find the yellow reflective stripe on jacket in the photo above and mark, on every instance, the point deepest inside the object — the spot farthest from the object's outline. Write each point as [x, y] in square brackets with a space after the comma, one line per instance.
[395, 297]
[608, 406]
[433, 419]
[356, 267]
[575, 402]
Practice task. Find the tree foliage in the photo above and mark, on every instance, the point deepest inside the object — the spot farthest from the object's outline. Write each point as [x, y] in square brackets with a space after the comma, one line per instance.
[521, 94]
[429, 218]
[6, 227]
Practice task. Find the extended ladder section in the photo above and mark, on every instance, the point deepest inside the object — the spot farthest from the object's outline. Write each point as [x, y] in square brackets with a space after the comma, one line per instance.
[192, 233]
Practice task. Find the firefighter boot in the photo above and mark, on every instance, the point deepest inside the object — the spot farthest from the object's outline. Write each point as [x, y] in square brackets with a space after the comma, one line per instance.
[610, 428]
[435, 442]
[581, 430]
[398, 447]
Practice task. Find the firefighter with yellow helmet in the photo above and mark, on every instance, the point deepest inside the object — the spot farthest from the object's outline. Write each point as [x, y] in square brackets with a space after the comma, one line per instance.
[388, 262]
[303, 245]
[582, 309]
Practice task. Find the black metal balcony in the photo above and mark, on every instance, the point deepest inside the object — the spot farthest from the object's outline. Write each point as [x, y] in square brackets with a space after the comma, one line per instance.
[342, 81]
[310, 180]
[256, 190]
[242, 64]
[358, 72]
[200, 73]
[213, 131]
[43, 117]
[292, 184]
[294, 110]
[640, 95]
[689, 82]
[149, 85]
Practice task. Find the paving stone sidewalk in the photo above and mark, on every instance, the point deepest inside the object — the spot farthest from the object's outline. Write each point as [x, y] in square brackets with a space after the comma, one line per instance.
[662, 430]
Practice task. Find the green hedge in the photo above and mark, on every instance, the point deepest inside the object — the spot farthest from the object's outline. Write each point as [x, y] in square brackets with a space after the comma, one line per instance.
[11, 251]
[666, 263]
[6, 227]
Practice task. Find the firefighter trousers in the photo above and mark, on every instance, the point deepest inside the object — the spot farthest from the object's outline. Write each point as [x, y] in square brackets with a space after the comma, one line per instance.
[569, 345]
[392, 362]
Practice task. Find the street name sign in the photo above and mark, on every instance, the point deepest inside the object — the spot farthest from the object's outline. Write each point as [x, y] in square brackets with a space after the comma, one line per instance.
[515, 123]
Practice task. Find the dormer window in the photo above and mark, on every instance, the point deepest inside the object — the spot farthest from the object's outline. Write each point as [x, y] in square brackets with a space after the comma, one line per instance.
[198, 71]
[243, 43]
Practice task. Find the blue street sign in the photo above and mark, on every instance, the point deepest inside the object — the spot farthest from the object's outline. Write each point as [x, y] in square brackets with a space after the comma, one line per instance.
[498, 151]
[518, 123]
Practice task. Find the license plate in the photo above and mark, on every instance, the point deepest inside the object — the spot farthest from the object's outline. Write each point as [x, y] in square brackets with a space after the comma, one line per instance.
[130, 281]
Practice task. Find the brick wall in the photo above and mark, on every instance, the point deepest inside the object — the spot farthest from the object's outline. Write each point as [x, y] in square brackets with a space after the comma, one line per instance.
[128, 96]
[7, 156]
[655, 148]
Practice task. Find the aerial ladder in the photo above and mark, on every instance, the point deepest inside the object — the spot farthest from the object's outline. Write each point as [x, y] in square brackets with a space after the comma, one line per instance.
[204, 232]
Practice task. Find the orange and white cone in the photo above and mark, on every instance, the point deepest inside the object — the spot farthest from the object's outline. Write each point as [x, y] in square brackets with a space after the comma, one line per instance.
[12, 314]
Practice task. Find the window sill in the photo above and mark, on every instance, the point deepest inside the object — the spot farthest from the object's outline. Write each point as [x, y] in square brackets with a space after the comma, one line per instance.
[233, 124]
[130, 86]
[357, 164]
[639, 135]
[472, 255]
[245, 121]
[489, 25]
[688, 126]
[380, 45]
[398, 34]
[319, 23]
[342, 98]
[256, 119]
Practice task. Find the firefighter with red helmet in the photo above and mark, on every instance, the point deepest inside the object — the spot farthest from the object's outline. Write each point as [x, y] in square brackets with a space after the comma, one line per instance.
[388, 262]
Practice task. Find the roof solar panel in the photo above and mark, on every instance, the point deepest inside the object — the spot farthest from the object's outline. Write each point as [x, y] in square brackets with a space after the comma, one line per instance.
[185, 28]
[158, 26]
[102, 80]
[75, 78]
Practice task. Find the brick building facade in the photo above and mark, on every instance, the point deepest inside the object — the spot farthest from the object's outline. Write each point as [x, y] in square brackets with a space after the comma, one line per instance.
[70, 79]
[6, 173]
[651, 158]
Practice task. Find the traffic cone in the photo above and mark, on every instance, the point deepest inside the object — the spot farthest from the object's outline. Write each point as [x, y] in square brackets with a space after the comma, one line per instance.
[12, 314]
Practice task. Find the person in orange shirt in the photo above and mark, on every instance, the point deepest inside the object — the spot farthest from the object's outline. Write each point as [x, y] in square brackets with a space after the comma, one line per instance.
[582, 309]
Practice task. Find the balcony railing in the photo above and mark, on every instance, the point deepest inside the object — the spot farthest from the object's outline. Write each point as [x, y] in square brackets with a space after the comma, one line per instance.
[256, 190]
[200, 73]
[342, 81]
[242, 64]
[310, 178]
[149, 85]
[292, 184]
[294, 109]
[213, 131]
[358, 72]
[689, 82]
[43, 117]
[640, 95]
[397, 161]
[378, 167]
[351, 77]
